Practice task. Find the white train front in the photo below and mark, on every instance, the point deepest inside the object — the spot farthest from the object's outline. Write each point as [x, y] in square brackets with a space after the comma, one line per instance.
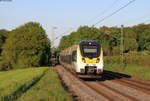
[84, 59]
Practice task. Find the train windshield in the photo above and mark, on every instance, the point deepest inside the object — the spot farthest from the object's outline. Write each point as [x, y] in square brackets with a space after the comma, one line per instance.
[91, 51]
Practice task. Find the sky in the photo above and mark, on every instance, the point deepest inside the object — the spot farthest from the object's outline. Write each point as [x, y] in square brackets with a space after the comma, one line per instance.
[60, 17]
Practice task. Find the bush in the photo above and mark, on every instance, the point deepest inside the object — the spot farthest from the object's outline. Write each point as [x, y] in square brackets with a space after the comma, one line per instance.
[116, 50]
[26, 46]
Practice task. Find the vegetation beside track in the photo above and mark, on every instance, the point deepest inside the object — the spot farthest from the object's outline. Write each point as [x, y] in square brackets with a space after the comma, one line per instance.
[25, 46]
[137, 65]
[49, 88]
[14, 83]
[36, 84]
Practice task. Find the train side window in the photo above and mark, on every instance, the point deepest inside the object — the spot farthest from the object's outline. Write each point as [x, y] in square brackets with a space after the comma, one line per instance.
[74, 56]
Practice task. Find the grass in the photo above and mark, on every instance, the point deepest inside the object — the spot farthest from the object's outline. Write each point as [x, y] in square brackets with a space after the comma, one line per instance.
[49, 88]
[132, 70]
[14, 83]
[36, 84]
[134, 65]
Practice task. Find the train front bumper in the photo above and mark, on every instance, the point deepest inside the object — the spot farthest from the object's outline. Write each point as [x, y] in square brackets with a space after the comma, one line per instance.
[91, 70]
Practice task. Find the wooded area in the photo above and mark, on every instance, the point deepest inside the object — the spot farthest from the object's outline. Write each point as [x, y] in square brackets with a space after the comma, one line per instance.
[135, 38]
[25, 46]
[28, 45]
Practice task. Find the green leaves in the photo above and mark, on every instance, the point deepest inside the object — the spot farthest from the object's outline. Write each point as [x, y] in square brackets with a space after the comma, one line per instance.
[145, 39]
[3, 36]
[83, 33]
[26, 46]
[134, 38]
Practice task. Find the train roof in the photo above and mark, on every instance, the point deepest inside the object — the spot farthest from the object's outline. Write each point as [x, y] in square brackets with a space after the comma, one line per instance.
[88, 41]
[83, 42]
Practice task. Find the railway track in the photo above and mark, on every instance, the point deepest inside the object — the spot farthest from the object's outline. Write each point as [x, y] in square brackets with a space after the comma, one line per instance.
[112, 87]
[131, 82]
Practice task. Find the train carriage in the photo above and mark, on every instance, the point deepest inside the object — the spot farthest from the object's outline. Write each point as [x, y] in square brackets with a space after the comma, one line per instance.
[85, 59]
[54, 58]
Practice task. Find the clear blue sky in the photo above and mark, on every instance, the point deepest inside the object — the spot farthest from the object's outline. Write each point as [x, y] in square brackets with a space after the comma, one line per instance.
[70, 14]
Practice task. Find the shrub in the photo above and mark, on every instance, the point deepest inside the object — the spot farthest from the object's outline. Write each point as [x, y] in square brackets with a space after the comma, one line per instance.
[26, 46]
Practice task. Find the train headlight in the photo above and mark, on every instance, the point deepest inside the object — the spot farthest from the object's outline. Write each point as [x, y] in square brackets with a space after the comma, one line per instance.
[98, 59]
[83, 59]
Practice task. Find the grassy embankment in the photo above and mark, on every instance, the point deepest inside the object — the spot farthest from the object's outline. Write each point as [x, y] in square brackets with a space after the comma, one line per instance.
[137, 65]
[34, 84]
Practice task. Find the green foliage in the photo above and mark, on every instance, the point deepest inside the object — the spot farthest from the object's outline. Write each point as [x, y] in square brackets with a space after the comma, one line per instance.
[116, 50]
[129, 33]
[130, 44]
[26, 46]
[64, 42]
[14, 83]
[136, 38]
[147, 46]
[83, 33]
[3, 36]
[4, 65]
[132, 70]
[139, 30]
[133, 64]
[88, 33]
[49, 88]
[145, 39]
[142, 59]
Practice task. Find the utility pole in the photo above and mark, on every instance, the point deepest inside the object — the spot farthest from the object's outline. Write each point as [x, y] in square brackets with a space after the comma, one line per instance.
[121, 47]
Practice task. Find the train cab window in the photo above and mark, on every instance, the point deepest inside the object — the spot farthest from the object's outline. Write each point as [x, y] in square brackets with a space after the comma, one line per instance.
[74, 56]
[91, 51]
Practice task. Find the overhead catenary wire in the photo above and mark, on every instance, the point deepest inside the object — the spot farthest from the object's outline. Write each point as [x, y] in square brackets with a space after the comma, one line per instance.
[63, 34]
[137, 19]
[146, 21]
[106, 17]
[104, 11]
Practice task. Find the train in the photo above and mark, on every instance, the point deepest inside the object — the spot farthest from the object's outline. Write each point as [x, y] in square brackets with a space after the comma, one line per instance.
[54, 58]
[85, 59]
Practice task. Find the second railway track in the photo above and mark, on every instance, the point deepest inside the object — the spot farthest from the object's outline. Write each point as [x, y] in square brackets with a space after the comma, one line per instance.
[111, 87]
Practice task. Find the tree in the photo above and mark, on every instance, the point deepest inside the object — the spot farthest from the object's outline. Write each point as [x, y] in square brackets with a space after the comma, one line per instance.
[130, 42]
[26, 46]
[83, 33]
[88, 33]
[64, 43]
[110, 39]
[144, 41]
[3, 36]
[139, 29]
[135, 38]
